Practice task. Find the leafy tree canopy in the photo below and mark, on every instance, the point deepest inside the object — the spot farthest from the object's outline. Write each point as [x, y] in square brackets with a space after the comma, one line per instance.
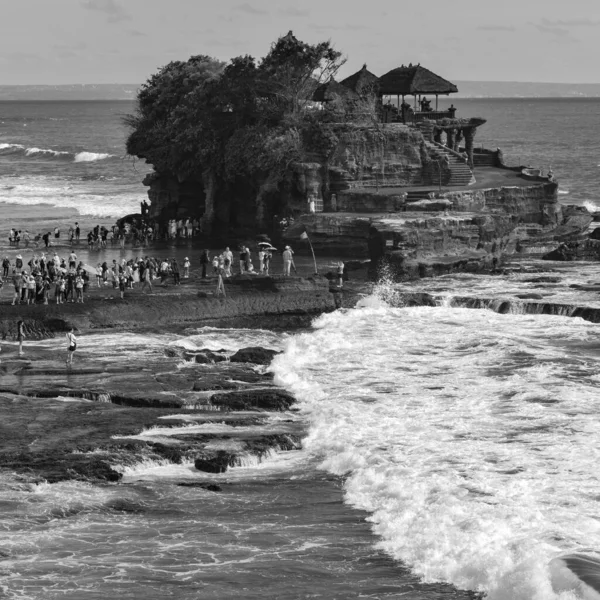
[244, 118]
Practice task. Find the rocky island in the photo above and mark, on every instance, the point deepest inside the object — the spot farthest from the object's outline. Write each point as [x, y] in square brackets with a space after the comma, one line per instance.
[244, 145]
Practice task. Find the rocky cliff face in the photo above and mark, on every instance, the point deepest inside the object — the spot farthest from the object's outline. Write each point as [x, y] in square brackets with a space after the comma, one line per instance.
[468, 229]
[363, 157]
[388, 155]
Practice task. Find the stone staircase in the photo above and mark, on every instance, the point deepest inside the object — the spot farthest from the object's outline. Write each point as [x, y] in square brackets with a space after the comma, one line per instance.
[460, 172]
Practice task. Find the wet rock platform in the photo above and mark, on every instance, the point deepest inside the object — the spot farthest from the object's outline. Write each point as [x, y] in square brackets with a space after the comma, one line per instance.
[89, 421]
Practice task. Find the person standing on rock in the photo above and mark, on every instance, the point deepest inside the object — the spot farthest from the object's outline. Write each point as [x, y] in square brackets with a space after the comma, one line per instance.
[227, 261]
[20, 336]
[220, 284]
[72, 341]
[175, 272]
[287, 260]
[204, 260]
[17, 283]
[340, 273]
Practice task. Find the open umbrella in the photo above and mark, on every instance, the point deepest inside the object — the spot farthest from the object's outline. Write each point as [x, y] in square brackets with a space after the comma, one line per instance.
[264, 243]
[89, 269]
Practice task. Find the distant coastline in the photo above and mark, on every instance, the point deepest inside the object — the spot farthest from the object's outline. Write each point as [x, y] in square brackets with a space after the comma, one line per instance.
[467, 89]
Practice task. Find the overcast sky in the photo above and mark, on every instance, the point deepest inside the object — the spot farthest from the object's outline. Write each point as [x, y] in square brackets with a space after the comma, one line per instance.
[125, 41]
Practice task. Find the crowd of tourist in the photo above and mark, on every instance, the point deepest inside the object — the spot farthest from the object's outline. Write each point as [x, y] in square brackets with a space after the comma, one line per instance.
[138, 234]
[48, 277]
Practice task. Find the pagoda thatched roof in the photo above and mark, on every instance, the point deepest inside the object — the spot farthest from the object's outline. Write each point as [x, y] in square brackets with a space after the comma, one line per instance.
[326, 92]
[363, 82]
[413, 80]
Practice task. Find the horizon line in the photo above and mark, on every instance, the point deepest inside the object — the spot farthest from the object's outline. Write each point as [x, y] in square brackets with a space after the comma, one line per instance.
[458, 80]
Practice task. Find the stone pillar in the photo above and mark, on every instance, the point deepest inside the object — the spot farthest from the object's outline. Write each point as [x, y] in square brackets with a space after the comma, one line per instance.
[450, 138]
[459, 138]
[470, 144]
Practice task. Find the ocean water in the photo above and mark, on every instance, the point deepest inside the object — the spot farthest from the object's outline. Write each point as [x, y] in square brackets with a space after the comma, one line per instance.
[69, 155]
[447, 449]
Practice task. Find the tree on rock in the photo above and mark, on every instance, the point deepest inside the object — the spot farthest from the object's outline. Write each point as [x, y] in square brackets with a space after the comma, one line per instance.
[233, 126]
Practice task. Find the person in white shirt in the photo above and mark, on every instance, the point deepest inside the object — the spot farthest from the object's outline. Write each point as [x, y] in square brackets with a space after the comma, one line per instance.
[287, 260]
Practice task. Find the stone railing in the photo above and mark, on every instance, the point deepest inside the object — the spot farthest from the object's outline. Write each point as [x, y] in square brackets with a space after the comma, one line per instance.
[432, 115]
[460, 155]
[410, 116]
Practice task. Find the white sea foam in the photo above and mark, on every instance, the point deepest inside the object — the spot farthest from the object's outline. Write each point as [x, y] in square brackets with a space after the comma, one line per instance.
[91, 156]
[230, 340]
[34, 151]
[470, 437]
[67, 195]
[564, 192]
[5, 146]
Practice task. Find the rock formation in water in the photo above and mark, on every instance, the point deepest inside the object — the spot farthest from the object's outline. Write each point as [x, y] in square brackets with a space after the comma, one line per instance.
[246, 145]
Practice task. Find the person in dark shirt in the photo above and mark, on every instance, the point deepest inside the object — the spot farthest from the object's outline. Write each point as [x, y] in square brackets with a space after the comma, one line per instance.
[204, 261]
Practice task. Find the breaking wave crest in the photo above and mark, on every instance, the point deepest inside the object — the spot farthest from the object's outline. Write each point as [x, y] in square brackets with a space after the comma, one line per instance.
[34, 152]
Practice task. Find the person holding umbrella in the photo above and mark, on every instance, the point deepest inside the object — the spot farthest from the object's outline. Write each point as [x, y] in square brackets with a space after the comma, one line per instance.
[266, 249]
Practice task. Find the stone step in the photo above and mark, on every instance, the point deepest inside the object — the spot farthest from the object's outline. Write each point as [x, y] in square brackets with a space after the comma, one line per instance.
[416, 195]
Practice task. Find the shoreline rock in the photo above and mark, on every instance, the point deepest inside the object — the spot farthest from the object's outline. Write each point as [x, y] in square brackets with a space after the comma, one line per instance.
[92, 423]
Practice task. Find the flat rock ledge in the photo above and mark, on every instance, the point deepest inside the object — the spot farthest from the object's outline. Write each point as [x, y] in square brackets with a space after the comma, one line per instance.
[95, 422]
[250, 301]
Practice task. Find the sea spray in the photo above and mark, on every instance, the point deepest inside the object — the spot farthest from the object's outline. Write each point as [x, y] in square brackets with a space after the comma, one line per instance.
[465, 434]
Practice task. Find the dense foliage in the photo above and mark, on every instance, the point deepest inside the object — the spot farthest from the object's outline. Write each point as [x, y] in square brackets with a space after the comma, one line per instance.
[244, 118]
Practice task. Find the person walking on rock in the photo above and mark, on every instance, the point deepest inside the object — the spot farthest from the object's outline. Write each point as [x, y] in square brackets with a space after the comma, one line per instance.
[147, 279]
[72, 346]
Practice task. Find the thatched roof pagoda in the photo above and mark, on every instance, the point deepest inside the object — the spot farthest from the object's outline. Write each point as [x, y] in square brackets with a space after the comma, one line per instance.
[413, 81]
[363, 82]
[327, 92]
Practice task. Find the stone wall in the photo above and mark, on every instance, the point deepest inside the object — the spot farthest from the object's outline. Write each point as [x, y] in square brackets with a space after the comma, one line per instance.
[529, 204]
[366, 201]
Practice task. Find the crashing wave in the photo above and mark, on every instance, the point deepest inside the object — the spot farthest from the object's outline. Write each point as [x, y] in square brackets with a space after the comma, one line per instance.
[91, 156]
[34, 151]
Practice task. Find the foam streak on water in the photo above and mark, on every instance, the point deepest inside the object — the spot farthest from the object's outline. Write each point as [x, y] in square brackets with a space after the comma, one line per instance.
[470, 437]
